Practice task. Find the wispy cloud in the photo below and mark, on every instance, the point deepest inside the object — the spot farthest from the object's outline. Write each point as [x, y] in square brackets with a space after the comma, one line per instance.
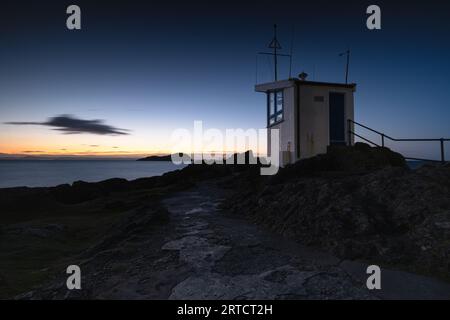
[32, 151]
[87, 152]
[69, 124]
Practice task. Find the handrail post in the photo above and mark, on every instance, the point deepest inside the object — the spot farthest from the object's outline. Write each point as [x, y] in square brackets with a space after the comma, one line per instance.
[382, 140]
[349, 133]
[442, 150]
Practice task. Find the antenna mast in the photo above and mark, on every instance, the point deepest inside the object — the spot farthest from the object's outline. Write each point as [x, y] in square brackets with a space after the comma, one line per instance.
[347, 53]
[290, 53]
[275, 45]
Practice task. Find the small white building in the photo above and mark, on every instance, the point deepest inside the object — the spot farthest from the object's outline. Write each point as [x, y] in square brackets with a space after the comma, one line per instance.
[310, 116]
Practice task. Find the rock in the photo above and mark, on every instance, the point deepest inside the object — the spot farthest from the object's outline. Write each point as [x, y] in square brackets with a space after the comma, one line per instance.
[359, 158]
[81, 191]
[40, 231]
[358, 202]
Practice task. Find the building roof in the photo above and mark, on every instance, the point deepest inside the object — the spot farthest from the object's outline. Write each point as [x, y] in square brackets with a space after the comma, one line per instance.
[263, 87]
[329, 84]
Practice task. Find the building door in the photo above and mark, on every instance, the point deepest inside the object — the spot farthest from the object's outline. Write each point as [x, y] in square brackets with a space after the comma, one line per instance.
[337, 118]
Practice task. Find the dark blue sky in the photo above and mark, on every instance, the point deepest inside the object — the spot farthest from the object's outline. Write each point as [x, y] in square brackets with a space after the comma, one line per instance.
[152, 67]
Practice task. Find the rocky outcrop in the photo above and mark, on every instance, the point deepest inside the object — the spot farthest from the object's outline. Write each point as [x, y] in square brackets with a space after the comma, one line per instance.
[359, 202]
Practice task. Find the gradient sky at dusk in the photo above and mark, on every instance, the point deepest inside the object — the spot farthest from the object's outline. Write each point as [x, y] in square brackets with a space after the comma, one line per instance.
[151, 68]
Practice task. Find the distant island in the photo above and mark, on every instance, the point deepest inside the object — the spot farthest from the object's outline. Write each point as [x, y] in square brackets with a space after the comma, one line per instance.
[158, 158]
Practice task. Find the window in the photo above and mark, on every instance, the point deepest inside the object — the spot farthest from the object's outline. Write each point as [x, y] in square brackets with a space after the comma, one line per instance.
[275, 107]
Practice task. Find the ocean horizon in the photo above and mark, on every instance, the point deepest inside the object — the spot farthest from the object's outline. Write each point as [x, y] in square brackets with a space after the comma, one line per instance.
[49, 173]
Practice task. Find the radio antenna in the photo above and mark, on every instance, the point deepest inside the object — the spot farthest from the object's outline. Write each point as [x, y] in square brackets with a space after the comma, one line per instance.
[275, 45]
[347, 53]
[291, 51]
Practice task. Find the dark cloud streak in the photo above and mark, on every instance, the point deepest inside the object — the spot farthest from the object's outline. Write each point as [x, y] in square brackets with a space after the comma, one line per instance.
[69, 124]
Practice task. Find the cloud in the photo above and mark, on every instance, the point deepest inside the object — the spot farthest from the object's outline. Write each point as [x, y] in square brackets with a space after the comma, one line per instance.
[103, 152]
[69, 124]
[32, 151]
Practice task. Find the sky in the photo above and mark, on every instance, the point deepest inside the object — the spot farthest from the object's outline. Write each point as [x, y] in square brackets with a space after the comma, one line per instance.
[137, 70]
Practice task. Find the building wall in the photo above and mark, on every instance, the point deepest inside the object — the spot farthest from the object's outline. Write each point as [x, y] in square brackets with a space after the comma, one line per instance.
[314, 117]
[311, 116]
[287, 127]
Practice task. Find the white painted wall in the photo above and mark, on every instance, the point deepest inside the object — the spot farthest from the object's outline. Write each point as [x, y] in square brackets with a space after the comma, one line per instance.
[287, 127]
[313, 117]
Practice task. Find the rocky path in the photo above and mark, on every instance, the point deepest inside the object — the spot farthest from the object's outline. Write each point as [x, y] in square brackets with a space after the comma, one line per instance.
[203, 253]
[230, 258]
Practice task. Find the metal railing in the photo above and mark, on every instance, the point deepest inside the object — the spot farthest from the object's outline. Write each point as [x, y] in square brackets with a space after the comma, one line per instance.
[384, 137]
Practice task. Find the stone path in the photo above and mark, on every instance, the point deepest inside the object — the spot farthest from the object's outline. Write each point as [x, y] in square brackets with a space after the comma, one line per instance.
[206, 254]
[231, 258]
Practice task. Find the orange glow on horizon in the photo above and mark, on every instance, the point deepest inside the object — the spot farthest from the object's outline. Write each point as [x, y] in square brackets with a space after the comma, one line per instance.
[37, 142]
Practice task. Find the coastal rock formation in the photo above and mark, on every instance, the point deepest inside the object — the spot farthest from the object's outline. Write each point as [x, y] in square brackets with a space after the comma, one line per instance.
[360, 203]
[151, 239]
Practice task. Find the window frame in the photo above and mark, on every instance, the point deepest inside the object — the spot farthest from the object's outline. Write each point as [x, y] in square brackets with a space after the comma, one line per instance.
[277, 112]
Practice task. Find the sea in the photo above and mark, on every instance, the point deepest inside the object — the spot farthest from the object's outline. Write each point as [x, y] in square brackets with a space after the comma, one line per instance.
[49, 173]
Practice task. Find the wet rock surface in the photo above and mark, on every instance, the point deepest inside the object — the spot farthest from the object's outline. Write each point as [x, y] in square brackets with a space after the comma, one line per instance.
[203, 253]
[377, 209]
